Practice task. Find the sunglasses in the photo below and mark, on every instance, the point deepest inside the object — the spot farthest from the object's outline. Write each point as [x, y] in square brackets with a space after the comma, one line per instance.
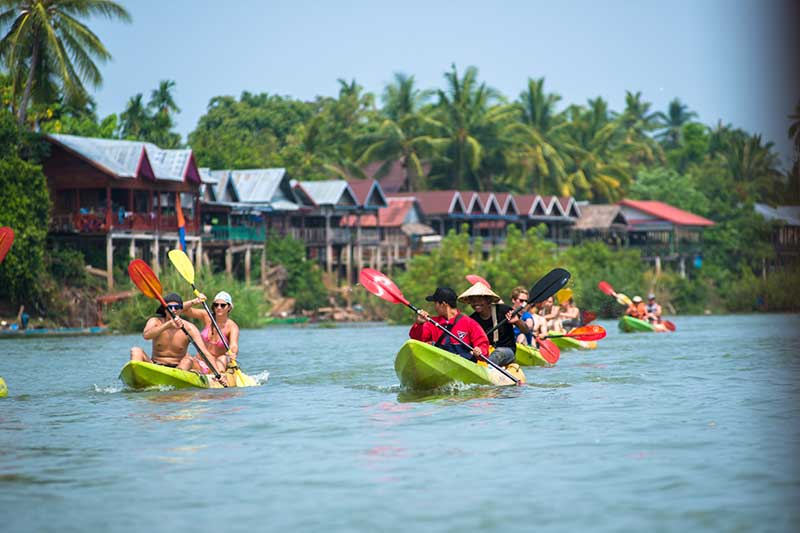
[521, 300]
[221, 306]
[175, 307]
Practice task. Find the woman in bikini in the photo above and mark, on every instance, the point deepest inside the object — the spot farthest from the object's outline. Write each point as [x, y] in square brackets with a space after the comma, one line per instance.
[221, 306]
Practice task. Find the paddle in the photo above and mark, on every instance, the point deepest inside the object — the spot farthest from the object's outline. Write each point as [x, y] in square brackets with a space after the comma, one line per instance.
[147, 282]
[184, 266]
[543, 289]
[563, 295]
[582, 333]
[381, 286]
[6, 240]
[474, 278]
[669, 325]
[608, 289]
[588, 317]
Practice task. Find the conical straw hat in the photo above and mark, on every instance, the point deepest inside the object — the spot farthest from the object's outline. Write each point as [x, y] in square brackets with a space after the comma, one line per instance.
[479, 289]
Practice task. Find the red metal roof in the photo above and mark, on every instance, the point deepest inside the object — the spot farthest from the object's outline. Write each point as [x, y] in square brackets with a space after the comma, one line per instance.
[668, 212]
[362, 188]
[396, 177]
[393, 216]
[433, 202]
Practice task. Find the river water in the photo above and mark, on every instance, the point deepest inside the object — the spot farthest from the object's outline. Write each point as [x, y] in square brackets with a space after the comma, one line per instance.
[692, 431]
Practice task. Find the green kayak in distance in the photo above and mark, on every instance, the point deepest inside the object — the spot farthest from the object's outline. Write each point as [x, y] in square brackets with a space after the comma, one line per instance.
[568, 343]
[530, 356]
[142, 375]
[422, 366]
[628, 324]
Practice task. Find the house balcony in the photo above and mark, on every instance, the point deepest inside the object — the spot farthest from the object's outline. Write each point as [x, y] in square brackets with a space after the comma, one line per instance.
[120, 222]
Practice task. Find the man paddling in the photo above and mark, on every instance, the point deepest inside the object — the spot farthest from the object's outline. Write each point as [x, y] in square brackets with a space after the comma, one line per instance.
[448, 315]
[170, 343]
[488, 313]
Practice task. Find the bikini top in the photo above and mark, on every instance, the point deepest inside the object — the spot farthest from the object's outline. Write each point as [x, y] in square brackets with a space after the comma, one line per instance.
[206, 336]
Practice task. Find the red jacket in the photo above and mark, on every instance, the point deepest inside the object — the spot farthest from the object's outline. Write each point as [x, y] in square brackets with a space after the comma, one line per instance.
[466, 329]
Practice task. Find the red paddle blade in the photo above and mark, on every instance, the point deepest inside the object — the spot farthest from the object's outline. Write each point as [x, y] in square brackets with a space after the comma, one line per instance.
[381, 286]
[145, 279]
[549, 351]
[606, 288]
[587, 333]
[6, 240]
[670, 326]
[474, 278]
[588, 316]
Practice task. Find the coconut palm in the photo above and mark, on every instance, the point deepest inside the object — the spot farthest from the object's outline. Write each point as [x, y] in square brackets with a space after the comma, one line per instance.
[471, 121]
[401, 134]
[794, 128]
[637, 121]
[46, 44]
[135, 118]
[672, 121]
[161, 100]
[754, 167]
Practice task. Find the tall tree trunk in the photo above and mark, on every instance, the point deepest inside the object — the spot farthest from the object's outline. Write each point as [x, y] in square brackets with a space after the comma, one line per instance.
[26, 95]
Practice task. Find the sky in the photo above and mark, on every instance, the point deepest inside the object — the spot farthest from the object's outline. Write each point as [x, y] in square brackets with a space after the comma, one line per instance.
[731, 60]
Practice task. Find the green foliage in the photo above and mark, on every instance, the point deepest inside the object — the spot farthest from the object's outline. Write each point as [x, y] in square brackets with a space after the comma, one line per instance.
[780, 291]
[250, 308]
[26, 209]
[668, 186]
[304, 282]
[65, 264]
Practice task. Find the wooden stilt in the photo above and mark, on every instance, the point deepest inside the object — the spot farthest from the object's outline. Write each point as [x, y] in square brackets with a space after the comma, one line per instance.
[109, 261]
[264, 265]
[247, 258]
[229, 262]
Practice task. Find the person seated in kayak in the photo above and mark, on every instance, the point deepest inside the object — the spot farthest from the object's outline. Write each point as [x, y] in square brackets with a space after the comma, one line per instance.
[653, 309]
[221, 306]
[488, 313]
[549, 311]
[448, 315]
[637, 309]
[170, 343]
[569, 315]
[519, 296]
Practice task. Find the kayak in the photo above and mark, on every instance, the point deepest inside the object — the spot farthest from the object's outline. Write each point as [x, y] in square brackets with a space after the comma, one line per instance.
[530, 356]
[568, 343]
[3, 389]
[141, 375]
[628, 324]
[423, 366]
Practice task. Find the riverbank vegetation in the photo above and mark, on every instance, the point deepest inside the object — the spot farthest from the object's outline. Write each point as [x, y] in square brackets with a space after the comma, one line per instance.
[463, 134]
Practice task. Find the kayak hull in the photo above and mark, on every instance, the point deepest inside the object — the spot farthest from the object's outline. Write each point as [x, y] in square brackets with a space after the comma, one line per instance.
[568, 343]
[142, 375]
[628, 324]
[3, 388]
[422, 366]
[530, 356]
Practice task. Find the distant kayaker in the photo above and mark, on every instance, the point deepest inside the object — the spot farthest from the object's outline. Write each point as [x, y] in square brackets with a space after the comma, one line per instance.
[549, 311]
[488, 313]
[653, 309]
[221, 306]
[519, 296]
[448, 315]
[637, 309]
[569, 315]
[170, 343]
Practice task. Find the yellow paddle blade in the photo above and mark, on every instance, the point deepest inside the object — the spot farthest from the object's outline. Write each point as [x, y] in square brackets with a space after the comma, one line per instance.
[243, 380]
[623, 300]
[183, 264]
[564, 294]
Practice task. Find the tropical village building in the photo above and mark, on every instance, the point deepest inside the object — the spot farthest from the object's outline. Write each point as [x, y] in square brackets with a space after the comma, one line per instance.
[785, 235]
[111, 193]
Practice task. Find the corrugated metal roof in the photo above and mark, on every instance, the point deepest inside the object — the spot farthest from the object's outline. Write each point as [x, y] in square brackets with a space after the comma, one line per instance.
[330, 192]
[666, 212]
[787, 214]
[123, 158]
[258, 185]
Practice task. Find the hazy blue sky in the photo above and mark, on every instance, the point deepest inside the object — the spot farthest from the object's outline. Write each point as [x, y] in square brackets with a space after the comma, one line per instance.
[729, 60]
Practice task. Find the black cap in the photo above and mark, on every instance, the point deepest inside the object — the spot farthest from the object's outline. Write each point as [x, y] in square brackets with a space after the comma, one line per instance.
[443, 294]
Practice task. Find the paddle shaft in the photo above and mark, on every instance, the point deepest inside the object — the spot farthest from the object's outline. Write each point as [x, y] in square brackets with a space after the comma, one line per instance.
[515, 312]
[470, 348]
[196, 347]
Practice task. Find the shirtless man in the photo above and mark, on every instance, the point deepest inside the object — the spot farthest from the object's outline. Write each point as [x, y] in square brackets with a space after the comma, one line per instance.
[170, 343]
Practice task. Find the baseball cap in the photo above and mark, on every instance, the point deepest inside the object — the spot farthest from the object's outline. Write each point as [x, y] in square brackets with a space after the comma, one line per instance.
[443, 294]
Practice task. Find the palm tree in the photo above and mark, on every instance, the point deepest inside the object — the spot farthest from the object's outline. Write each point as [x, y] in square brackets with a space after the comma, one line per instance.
[637, 122]
[135, 118]
[672, 121]
[161, 100]
[46, 43]
[401, 134]
[470, 126]
[753, 166]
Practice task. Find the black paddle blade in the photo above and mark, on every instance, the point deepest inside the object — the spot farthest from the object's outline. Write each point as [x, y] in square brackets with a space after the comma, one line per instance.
[550, 284]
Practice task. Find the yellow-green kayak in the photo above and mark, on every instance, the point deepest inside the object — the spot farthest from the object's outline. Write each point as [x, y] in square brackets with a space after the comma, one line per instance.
[530, 356]
[141, 375]
[3, 388]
